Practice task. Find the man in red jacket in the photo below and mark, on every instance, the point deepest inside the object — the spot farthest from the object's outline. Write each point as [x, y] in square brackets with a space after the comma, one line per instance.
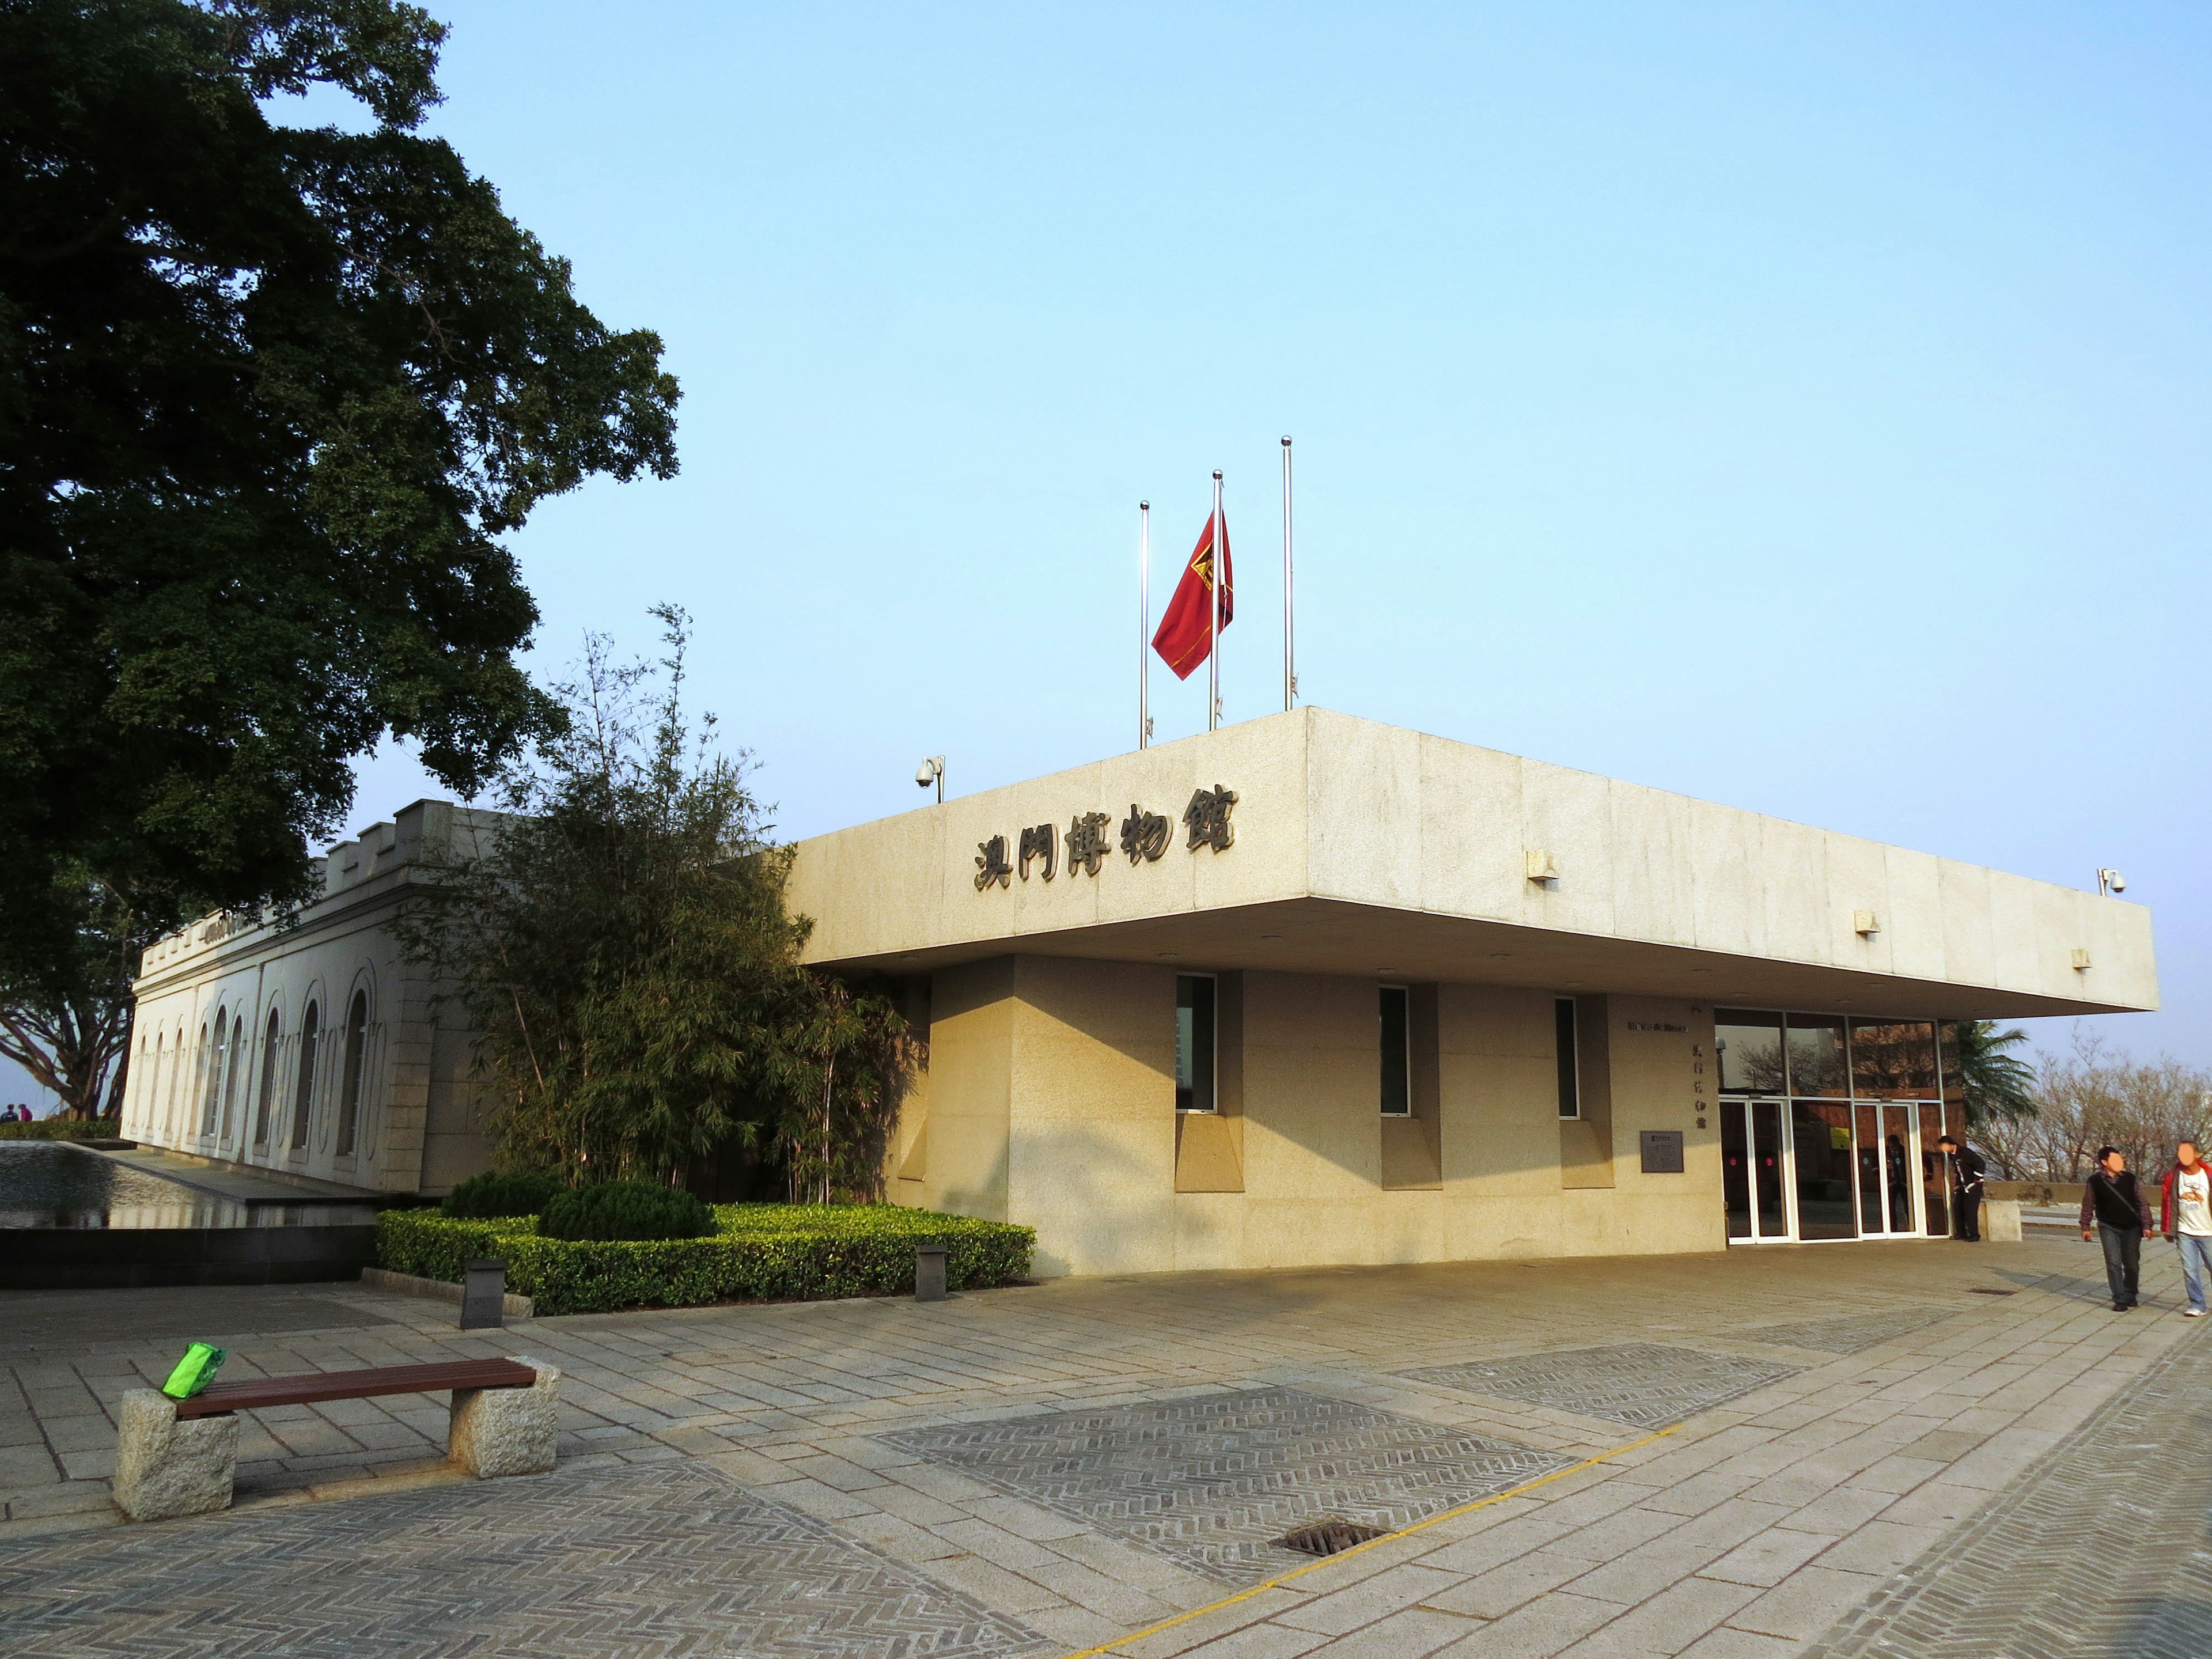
[2184, 1215]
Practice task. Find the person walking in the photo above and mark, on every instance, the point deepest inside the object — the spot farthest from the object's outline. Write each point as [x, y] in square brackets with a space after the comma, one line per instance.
[2184, 1215]
[2113, 1203]
[1968, 1172]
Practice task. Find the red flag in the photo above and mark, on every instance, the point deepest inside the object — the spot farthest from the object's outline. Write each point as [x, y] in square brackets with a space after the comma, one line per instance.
[1185, 634]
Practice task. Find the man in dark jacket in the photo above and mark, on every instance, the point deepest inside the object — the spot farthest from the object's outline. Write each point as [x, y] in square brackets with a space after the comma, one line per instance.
[2112, 1201]
[1967, 1172]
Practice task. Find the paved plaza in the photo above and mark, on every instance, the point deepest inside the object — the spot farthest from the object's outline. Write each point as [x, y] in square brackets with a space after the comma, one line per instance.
[1918, 1449]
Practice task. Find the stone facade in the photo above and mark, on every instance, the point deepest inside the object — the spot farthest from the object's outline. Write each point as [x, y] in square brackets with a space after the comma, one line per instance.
[310, 1045]
[1490, 888]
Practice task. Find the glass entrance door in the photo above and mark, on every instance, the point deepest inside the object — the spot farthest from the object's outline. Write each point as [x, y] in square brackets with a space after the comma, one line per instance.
[1888, 1180]
[1820, 1159]
[1750, 1170]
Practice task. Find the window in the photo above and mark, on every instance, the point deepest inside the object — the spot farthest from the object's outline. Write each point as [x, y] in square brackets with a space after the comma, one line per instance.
[230, 1077]
[1567, 1049]
[1194, 1055]
[1816, 1056]
[356, 1054]
[203, 1083]
[176, 1075]
[1894, 1061]
[269, 1042]
[1748, 1045]
[303, 1092]
[1397, 1073]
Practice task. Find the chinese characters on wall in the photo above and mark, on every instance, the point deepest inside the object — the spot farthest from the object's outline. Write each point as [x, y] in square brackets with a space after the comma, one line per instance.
[1045, 849]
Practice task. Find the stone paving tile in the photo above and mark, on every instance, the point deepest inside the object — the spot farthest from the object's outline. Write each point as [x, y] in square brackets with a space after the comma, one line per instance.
[1210, 1479]
[549, 1565]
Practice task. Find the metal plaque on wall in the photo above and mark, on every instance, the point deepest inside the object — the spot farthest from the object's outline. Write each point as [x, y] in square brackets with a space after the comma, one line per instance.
[1662, 1151]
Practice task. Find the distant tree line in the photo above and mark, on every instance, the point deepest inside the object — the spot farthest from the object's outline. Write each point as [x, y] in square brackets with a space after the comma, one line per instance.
[2090, 1097]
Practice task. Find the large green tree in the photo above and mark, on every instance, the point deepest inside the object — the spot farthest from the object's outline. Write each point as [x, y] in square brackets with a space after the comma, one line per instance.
[271, 395]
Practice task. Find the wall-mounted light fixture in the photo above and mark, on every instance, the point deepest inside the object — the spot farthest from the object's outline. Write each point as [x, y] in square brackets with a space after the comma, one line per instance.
[2081, 962]
[1865, 923]
[1542, 869]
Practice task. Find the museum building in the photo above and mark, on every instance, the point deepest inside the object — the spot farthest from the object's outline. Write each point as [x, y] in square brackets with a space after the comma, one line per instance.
[1305, 990]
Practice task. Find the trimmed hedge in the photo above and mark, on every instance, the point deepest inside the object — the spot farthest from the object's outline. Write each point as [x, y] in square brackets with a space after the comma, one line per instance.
[61, 1128]
[607, 1210]
[762, 1253]
[492, 1193]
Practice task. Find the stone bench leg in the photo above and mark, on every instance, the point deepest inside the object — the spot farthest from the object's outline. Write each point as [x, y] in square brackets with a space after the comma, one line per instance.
[498, 1431]
[165, 1467]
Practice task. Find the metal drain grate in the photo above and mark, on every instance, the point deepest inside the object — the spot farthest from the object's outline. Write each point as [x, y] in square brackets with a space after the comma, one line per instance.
[1327, 1537]
[1983, 1290]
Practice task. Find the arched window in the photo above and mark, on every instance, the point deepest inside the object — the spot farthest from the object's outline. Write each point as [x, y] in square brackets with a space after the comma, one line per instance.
[238, 1063]
[303, 1093]
[171, 1122]
[356, 1055]
[154, 1083]
[268, 1094]
[203, 1083]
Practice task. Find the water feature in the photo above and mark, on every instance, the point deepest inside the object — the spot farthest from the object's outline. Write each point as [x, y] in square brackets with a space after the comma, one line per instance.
[50, 1183]
[71, 1218]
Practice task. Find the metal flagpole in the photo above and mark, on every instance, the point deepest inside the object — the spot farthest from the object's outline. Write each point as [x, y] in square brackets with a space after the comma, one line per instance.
[1213, 621]
[1290, 652]
[1144, 624]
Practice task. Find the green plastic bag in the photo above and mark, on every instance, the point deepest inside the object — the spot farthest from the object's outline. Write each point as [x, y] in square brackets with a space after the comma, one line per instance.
[195, 1370]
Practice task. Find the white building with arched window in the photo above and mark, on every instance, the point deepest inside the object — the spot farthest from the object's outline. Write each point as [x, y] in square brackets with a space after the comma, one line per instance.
[309, 1045]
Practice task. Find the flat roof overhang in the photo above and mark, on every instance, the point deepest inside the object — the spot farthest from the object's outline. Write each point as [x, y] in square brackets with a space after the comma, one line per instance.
[1366, 850]
[1328, 936]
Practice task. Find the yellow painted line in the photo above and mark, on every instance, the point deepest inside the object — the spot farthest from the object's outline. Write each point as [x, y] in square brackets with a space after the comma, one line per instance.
[1388, 1537]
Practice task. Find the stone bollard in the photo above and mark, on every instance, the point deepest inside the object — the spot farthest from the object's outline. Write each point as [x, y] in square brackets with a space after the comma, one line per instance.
[483, 1294]
[929, 1273]
[497, 1432]
[2001, 1221]
[165, 1468]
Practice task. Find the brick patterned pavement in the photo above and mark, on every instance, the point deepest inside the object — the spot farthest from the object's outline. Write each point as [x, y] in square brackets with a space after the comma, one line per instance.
[1210, 1481]
[2098, 1553]
[1745, 1534]
[575, 1563]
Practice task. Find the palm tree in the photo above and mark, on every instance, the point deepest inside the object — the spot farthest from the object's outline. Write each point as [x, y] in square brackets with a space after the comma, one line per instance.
[1997, 1086]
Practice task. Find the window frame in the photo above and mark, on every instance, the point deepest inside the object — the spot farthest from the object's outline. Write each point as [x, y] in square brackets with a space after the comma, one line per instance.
[353, 1062]
[303, 1084]
[1567, 1055]
[1405, 995]
[272, 1049]
[1213, 1059]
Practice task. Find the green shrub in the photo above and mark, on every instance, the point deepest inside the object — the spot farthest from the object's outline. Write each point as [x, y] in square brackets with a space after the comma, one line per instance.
[61, 1128]
[611, 1211]
[759, 1253]
[492, 1193]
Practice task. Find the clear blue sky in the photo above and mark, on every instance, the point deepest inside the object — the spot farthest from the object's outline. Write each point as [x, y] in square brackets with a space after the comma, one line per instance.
[1806, 409]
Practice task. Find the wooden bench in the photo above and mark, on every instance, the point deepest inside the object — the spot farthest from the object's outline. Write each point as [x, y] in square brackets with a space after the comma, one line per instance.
[306, 1388]
[181, 1456]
